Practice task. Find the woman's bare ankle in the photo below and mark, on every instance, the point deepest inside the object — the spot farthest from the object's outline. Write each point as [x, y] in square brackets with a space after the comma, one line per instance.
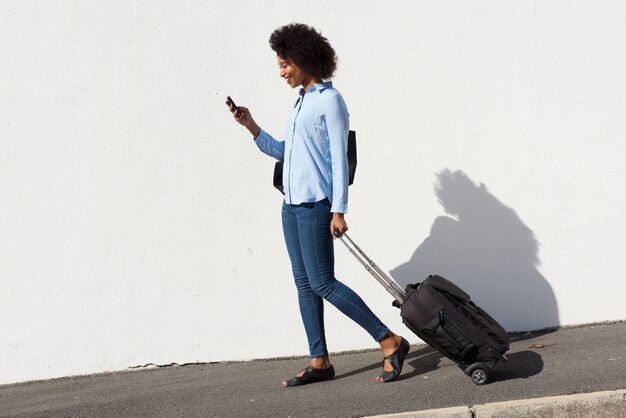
[390, 342]
[320, 362]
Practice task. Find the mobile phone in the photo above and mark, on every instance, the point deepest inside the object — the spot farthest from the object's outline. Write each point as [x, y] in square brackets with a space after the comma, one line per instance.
[232, 103]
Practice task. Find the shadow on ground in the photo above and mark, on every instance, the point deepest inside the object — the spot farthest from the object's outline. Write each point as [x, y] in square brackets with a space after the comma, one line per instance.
[425, 359]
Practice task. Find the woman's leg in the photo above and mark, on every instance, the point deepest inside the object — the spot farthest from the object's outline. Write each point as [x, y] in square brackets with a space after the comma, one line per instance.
[316, 248]
[311, 304]
[310, 246]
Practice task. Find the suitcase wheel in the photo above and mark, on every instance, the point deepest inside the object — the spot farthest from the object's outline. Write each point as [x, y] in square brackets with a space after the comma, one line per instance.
[479, 376]
[478, 372]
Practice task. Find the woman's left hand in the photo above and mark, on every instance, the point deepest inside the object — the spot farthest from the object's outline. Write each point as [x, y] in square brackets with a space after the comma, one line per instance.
[338, 223]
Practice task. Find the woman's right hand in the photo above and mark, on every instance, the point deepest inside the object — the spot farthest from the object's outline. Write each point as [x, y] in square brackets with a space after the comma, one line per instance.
[244, 118]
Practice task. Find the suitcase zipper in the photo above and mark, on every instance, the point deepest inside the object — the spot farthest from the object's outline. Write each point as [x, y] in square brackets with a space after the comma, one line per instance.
[449, 334]
[484, 339]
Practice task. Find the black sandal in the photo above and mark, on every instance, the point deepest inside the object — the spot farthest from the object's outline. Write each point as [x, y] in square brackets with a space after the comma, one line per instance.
[396, 359]
[311, 375]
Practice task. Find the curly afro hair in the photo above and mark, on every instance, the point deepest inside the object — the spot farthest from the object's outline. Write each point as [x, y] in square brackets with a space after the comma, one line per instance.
[305, 47]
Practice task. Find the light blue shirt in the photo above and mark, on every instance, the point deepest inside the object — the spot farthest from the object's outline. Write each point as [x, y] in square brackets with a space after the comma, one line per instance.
[314, 148]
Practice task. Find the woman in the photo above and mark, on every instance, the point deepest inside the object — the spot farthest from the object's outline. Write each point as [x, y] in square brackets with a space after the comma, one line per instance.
[315, 181]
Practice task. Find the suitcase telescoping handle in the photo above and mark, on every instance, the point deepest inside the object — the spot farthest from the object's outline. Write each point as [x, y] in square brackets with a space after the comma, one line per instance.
[388, 283]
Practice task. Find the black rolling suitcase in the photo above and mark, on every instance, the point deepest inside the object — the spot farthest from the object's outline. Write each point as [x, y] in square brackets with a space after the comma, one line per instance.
[444, 316]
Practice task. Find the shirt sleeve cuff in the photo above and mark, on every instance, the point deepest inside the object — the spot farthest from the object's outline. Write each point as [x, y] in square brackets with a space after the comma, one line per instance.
[339, 208]
[262, 133]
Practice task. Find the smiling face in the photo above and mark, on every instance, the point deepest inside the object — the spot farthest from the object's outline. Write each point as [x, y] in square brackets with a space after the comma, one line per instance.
[294, 75]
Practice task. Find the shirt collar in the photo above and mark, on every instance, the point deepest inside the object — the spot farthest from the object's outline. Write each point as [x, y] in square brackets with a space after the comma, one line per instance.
[319, 87]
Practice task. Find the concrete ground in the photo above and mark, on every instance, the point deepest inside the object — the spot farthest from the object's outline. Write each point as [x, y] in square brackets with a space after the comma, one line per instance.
[578, 360]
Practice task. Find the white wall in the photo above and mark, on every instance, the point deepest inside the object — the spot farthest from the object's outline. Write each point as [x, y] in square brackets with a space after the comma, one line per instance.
[138, 223]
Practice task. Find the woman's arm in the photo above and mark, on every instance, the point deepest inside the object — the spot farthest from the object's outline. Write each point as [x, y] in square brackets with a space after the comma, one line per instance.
[264, 141]
[244, 117]
[337, 123]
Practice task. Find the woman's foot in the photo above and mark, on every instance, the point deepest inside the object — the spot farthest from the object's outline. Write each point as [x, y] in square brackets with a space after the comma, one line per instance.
[395, 349]
[319, 370]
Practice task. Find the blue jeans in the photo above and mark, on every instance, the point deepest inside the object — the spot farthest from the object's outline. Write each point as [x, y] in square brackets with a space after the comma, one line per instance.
[310, 246]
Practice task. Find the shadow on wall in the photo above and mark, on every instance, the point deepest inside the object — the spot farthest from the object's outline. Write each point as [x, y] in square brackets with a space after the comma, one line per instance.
[486, 249]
